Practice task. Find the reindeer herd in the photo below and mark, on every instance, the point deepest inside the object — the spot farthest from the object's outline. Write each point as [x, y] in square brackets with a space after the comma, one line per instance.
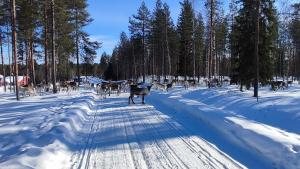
[40, 89]
[107, 88]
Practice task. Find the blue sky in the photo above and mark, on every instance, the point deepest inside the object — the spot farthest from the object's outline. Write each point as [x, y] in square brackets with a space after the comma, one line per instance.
[111, 18]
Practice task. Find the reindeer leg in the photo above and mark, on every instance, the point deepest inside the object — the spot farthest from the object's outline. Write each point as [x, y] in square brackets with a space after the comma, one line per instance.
[143, 99]
[129, 99]
[132, 99]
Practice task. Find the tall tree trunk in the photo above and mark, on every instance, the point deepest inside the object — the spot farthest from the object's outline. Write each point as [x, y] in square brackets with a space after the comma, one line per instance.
[46, 41]
[53, 49]
[194, 47]
[256, 50]
[134, 62]
[32, 62]
[77, 42]
[212, 54]
[9, 59]
[185, 62]
[163, 67]
[167, 47]
[27, 58]
[152, 60]
[14, 45]
[144, 56]
[2, 58]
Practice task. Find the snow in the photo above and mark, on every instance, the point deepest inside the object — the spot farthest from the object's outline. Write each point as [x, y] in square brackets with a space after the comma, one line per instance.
[268, 129]
[94, 80]
[195, 128]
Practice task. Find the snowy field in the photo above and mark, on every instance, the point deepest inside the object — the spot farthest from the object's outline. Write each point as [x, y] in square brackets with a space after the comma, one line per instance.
[196, 128]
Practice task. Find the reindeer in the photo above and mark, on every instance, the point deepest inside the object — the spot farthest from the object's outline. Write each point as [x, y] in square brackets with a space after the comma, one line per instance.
[63, 87]
[104, 88]
[165, 86]
[192, 83]
[275, 85]
[160, 86]
[139, 91]
[72, 85]
[213, 83]
[170, 85]
[114, 86]
[27, 90]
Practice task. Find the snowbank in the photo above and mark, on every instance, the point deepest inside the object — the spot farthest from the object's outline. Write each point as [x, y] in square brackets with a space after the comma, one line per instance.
[43, 132]
[275, 147]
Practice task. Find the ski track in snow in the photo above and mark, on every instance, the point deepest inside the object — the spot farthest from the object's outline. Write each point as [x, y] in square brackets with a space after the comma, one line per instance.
[139, 136]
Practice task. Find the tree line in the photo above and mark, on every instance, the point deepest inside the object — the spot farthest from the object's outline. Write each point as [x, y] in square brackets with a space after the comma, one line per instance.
[222, 44]
[48, 32]
[45, 40]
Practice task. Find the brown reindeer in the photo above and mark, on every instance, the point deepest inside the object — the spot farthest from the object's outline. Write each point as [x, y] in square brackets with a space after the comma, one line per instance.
[170, 85]
[115, 86]
[160, 86]
[27, 90]
[72, 85]
[275, 85]
[139, 91]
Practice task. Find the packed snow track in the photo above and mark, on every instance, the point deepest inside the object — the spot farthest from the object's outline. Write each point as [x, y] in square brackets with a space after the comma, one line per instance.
[82, 131]
[139, 136]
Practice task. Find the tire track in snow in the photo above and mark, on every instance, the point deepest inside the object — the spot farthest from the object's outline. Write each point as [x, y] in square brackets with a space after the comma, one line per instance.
[136, 149]
[147, 156]
[132, 161]
[135, 146]
[194, 145]
[161, 150]
[166, 148]
[92, 145]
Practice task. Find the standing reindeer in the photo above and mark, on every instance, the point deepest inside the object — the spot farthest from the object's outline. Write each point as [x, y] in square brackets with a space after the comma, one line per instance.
[139, 91]
[170, 85]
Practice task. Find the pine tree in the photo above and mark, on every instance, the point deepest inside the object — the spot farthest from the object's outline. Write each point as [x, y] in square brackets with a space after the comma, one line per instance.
[81, 18]
[245, 41]
[185, 30]
[234, 34]
[295, 33]
[221, 44]
[104, 61]
[27, 26]
[211, 59]
[124, 58]
[2, 24]
[140, 28]
[14, 45]
[89, 51]
[199, 46]
[157, 49]
[53, 43]
[162, 36]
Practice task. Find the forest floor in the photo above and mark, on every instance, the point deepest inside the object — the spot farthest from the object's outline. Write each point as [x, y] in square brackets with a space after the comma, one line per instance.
[195, 128]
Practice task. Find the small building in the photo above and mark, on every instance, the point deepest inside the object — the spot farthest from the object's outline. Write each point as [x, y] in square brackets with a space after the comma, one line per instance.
[23, 80]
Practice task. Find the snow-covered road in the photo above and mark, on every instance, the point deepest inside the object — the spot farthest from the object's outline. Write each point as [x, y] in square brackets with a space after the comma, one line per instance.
[82, 130]
[139, 136]
[196, 128]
